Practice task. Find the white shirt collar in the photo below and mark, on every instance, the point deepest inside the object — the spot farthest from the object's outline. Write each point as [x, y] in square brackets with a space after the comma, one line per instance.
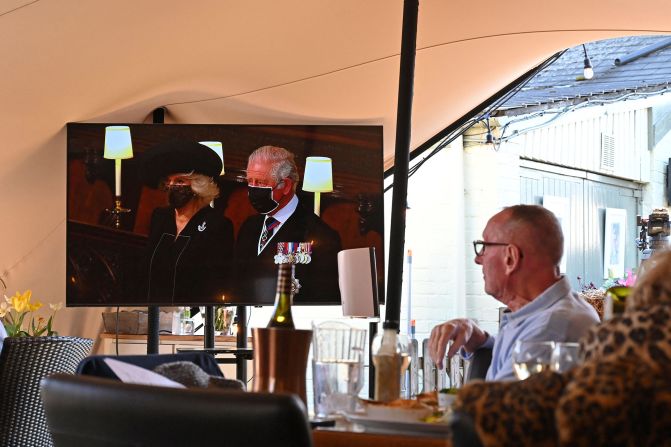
[281, 216]
[286, 211]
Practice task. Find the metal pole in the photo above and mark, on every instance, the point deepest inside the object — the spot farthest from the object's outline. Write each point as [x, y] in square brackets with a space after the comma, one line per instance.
[409, 288]
[401, 162]
[208, 323]
[154, 312]
[372, 332]
[240, 361]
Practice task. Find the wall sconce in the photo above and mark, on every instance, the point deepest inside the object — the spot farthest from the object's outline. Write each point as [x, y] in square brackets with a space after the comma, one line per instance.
[318, 178]
[587, 72]
[118, 146]
[218, 148]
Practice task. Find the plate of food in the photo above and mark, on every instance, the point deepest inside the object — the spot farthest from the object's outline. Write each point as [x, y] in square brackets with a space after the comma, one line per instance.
[419, 415]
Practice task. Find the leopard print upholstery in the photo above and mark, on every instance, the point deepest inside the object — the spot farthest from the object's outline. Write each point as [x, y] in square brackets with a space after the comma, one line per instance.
[606, 404]
[641, 334]
[620, 395]
[514, 413]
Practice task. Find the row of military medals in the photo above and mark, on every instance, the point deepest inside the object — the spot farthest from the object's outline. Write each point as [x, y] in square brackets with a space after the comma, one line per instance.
[294, 253]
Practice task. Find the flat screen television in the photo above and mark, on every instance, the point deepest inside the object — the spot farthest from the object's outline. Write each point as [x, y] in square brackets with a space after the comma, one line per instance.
[109, 253]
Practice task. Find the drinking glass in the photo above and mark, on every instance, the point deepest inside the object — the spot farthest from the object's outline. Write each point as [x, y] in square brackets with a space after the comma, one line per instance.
[565, 356]
[338, 352]
[531, 357]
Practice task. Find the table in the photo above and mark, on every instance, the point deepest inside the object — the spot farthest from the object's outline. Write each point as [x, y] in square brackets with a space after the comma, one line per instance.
[170, 344]
[336, 437]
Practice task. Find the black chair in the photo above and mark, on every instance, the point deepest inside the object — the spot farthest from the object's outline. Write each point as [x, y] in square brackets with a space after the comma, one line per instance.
[463, 431]
[479, 364]
[95, 412]
[96, 366]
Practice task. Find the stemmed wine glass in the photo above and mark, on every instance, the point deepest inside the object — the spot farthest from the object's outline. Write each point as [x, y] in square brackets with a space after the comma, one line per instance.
[531, 357]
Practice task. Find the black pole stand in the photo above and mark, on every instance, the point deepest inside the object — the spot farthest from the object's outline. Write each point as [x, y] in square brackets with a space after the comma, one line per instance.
[241, 362]
[401, 165]
[154, 312]
[153, 317]
[401, 162]
[372, 332]
[208, 327]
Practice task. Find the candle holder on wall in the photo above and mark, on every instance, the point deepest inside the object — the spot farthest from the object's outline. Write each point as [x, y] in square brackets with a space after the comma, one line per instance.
[118, 146]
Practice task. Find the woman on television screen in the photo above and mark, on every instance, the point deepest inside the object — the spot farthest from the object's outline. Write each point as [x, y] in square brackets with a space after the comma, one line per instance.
[189, 238]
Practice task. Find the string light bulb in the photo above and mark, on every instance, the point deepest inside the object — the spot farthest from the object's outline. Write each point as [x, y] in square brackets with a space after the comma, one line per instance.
[489, 138]
[588, 71]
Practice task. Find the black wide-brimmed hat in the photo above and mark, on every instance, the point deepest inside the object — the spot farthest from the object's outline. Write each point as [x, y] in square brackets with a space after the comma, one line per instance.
[178, 156]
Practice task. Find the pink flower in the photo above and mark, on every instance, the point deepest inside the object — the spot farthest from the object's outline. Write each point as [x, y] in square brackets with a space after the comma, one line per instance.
[630, 279]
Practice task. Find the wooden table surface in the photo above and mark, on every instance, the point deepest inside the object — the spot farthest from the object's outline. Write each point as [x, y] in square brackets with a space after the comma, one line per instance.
[328, 437]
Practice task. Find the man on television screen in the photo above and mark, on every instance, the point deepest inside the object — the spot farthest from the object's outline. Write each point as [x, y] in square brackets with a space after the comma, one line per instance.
[272, 178]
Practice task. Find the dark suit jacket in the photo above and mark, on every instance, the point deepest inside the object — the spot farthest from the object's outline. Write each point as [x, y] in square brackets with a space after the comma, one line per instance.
[256, 277]
[195, 267]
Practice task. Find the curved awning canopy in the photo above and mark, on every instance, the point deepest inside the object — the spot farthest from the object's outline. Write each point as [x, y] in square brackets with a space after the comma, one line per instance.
[265, 61]
[257, 61]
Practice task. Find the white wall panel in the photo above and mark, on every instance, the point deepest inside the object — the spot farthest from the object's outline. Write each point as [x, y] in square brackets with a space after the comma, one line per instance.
[574, 140]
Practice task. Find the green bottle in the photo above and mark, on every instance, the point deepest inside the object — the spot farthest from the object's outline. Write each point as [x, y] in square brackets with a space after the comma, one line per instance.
[282, 316]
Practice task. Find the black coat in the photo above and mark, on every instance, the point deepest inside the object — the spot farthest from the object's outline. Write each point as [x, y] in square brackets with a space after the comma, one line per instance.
[256, 275]
[195, 267]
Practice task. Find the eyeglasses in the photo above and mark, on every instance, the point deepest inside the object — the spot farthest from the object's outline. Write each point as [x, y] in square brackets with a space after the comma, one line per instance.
[479, 246]
[166, 185]
[263, 184]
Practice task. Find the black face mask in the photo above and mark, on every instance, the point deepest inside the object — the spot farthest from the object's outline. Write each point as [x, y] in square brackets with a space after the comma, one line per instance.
[261, 198]
[178, 196]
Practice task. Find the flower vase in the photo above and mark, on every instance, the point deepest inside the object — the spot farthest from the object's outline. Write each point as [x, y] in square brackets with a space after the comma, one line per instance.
[24, 361]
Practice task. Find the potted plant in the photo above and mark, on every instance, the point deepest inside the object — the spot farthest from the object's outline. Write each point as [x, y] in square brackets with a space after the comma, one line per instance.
[31, 351]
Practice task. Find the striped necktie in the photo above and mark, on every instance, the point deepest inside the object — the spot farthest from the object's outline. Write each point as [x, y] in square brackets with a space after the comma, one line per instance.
[268, 228]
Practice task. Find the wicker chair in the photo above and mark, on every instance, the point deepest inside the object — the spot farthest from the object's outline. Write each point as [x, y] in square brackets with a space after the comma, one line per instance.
[24, 361]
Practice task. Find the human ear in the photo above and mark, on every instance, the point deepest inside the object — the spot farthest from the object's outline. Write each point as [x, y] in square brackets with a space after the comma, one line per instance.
[288, 186]
[513, 255]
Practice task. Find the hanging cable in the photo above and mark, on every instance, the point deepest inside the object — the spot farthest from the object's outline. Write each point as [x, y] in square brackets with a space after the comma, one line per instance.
[486, 112]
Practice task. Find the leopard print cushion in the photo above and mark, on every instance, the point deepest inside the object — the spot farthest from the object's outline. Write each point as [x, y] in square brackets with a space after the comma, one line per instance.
[514, 413]
[642, 334]
[606, 404]
[620, 395]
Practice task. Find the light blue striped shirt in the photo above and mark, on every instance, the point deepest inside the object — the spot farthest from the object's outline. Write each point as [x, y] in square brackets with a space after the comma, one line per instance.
[557, 314]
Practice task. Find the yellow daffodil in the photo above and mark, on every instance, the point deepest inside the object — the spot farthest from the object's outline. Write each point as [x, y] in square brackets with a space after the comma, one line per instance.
[20, 301]
[16, 309]
[34, 306]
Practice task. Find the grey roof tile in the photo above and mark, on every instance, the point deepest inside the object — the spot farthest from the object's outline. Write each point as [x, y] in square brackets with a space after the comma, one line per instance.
[559, 81]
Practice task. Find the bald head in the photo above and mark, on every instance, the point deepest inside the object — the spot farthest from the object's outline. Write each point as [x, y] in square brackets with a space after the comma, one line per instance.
[535, 230]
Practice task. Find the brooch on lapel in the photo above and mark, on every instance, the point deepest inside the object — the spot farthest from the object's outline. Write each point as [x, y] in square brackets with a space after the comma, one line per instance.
[202, 226]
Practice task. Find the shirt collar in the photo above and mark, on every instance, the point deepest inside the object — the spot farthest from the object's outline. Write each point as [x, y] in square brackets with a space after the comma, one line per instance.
[286, 211]
[546, 299]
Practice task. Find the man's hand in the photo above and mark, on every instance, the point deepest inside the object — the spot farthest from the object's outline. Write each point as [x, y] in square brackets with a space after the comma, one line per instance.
[461, 331]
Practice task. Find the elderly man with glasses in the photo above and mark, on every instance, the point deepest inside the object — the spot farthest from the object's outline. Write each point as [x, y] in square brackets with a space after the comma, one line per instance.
[520, 253]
